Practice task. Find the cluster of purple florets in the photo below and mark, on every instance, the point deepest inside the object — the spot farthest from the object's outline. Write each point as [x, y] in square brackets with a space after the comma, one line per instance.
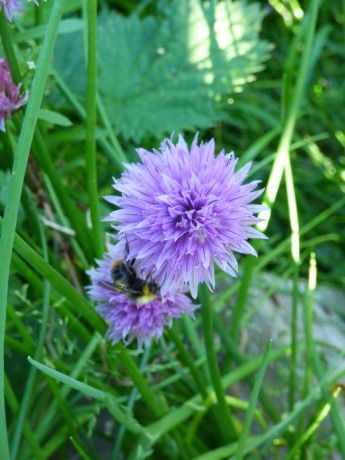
[12, 6]
[10, 97]
[180, 212]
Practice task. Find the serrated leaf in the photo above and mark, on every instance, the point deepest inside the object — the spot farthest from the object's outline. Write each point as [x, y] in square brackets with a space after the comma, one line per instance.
[172, 71]
[165, 74]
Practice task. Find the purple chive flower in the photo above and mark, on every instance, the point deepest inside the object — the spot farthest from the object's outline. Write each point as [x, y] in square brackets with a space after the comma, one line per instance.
[10, 98]
[182, 211]
[127, 319]
[10, 6]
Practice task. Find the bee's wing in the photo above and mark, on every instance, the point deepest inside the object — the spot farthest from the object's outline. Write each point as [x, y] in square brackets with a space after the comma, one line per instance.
[121, 287]
[106, 285]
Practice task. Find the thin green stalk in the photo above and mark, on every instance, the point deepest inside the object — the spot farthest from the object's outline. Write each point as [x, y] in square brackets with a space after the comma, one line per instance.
[157, 406]
[227, 426]
[76, 218]
[83, 454]
[308, 326]
[130, 405]
[30, 436]
[91, 120]
[295, 253]
[16, 321]
[252, 403]
[188, 362]
[182, 413]
[62, 219]
[15, 190]
[191, 331]
[312, 427]
[283, 246]
[308, 315]
[335, 416]
[47, 423]
[114, 155]
[232, 350]
[238, 311]
[24, 407]
[113, 139]
[297, 93]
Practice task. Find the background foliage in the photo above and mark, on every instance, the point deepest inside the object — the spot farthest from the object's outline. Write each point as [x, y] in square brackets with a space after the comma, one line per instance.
[163, 67]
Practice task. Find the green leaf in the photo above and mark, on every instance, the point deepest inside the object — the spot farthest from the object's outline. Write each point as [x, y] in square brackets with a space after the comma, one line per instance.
[54, 118]
[171, 72]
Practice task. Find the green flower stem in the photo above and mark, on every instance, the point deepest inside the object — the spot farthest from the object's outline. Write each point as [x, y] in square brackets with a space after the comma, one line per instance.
[15, 190]
[91, 112]
[238, 359]
[25, 404]
[245, 434]
[131, 402]
[188, 362]
[157, 406]
[226, 424]
[239, 309]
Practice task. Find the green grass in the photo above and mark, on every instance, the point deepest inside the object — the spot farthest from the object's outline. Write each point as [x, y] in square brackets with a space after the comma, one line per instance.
[226, 385]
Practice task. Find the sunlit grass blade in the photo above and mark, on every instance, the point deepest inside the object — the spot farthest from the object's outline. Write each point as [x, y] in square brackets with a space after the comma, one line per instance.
[313, 426]
[295, 255]
[335, 413]
[297, 95]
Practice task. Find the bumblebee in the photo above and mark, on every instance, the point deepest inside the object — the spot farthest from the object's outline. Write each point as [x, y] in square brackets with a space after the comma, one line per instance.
[126, 280]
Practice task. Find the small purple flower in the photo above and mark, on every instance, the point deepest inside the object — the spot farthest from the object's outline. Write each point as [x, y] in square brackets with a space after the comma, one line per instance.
[10, 98]
[182, 211]
[10, 6]
[127, 319]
